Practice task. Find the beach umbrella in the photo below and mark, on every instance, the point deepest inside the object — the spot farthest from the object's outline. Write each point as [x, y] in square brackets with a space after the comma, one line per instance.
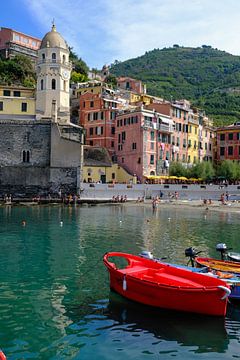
[182, 178]
[173, 177]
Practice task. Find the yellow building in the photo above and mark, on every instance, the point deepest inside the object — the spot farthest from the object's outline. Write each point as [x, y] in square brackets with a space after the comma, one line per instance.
[99, 168]
[17, 103]
[193, 138]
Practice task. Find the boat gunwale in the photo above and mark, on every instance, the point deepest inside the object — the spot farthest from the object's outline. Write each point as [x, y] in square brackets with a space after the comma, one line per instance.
[200, 287]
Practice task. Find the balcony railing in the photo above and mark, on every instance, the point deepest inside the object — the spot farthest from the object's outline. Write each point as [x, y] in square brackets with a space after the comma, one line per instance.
[160, 127]
[193, 121]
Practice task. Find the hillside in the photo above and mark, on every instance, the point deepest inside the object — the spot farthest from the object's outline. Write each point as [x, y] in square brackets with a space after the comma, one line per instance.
[210, 78]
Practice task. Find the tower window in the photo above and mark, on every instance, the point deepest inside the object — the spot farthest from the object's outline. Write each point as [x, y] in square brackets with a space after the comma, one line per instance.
[26, 156]
[53, 84]
[41, 86]
[64, 58]
[54, 57]
[64, 85]
[43, 57]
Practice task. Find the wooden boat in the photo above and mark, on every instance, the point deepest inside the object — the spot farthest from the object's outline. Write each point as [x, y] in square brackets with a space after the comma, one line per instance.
[220, 265]
[231, 279]
[165, 286]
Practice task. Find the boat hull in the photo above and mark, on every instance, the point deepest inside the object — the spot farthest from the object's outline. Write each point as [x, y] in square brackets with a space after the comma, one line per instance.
[172, 288]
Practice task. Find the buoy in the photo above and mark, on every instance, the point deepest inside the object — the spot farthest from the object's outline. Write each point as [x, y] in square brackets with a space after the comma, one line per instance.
[23, 224]
[61, 223]
[124, 283]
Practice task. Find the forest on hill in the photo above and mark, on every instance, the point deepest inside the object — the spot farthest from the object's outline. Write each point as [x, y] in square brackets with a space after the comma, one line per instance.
[208, 77]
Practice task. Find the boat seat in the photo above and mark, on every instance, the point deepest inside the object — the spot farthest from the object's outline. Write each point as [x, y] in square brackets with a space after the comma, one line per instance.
[168, 279]
[135, 269]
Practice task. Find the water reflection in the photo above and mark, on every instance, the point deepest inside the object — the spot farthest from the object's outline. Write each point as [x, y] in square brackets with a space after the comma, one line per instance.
[206, 334]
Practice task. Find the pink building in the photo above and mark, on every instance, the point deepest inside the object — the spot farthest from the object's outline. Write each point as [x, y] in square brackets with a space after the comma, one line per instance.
[13, 43]
[228, 142]
[179, 114]
[143, 142]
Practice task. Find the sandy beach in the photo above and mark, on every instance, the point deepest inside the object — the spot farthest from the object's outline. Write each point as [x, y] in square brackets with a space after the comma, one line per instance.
[230, 206]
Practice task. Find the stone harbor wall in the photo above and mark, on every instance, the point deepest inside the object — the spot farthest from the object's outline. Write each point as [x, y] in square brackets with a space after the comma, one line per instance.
[30, 181]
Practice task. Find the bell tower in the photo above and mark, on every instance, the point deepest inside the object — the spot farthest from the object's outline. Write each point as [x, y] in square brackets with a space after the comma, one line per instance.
[53, 76]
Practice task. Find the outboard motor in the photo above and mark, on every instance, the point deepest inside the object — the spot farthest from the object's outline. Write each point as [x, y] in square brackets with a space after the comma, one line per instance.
[147, 255]
[192, 254]
[222, 248]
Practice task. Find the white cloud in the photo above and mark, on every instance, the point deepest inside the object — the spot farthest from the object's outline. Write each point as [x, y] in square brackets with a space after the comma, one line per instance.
[104, 30]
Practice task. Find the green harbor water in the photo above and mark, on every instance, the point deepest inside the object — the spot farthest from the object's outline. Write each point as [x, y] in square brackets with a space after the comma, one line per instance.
[55, 301]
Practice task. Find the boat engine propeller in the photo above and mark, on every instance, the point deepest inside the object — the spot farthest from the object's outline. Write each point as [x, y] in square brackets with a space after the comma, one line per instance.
[192, 254]
[222, 248]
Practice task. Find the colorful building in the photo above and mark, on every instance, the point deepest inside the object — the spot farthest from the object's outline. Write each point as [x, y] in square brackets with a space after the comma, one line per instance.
[193, 138]
[207, 147]
[13, 43]
[97, 116]
[98, 167]
[127, 83]
[228, 142]
[17, 103]
[143, 142]
[178, 112]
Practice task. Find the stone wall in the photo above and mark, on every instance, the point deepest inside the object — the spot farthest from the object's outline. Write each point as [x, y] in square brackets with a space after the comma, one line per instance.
[29, 181]
[36, 176]
[17, 136]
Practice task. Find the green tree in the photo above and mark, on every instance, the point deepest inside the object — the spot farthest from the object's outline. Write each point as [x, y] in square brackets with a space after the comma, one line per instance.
[203, 170]
[177, 169]
[111, 79]
[18, 70]
[77, 77]
[229, 170]
[79, 65]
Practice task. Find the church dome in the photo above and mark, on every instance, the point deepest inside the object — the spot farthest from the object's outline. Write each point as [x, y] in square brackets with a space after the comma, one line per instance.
[53, 39]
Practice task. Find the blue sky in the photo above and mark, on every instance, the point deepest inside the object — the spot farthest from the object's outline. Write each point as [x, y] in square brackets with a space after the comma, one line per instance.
[101, 31]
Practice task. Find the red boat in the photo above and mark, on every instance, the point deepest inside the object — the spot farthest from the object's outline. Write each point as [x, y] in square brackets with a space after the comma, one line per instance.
[162, 285]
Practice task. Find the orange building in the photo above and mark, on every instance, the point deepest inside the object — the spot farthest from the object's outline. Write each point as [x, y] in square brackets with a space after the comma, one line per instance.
[228, 142]
[13, 43]
[97, 114]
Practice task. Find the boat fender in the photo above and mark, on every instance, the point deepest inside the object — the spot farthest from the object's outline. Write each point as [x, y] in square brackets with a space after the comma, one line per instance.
[227, 291]
[124, 283]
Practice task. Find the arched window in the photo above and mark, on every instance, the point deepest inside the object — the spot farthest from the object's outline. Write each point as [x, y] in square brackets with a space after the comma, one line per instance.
[53, 57]
[64, 58]
[26, 156]
[41, 86]
[43, 57]
[53, 84]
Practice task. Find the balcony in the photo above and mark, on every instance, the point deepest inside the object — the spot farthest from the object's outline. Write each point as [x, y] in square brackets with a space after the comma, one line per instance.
[193, 121]
[165, 128]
